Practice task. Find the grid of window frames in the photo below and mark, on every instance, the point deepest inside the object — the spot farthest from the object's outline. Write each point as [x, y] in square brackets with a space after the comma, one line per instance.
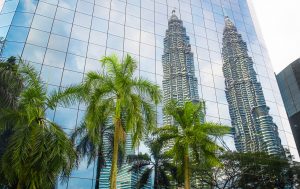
[64, 39]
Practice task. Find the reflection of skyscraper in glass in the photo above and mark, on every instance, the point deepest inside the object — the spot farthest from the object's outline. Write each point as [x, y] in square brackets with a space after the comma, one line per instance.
[254, 127]
[179, 81]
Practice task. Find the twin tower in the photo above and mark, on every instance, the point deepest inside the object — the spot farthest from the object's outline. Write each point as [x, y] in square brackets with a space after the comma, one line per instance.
[254, 129]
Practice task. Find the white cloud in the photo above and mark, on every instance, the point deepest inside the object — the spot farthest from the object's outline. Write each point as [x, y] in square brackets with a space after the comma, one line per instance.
[279, 22]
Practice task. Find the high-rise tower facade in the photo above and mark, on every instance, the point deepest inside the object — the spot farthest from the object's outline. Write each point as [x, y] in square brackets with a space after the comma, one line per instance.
[179, 80]
[64, 39]
[289, 83]
[254, 127]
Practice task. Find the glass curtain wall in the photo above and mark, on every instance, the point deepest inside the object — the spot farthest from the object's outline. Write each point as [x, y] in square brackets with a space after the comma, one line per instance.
[64, 39]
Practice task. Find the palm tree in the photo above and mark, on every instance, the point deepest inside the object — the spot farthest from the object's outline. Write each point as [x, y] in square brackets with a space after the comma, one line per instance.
[156, 163]
[10, 89]
[11, 83]
[38, 151]
[130, 97]
[92, 132]
[190, 136]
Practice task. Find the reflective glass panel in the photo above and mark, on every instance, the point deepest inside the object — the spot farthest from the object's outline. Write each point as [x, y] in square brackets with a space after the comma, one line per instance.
[77, 47]
[17, 34]
[64, 15]
[55, 58]
[75, 63]
[46, 9]
[61, 28]
[51, 75]
[42, 23]
[22, 19]
[57, 42]
[37, 37]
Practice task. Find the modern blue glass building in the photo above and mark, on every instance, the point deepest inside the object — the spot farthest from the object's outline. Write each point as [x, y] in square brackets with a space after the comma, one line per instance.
[64, 39]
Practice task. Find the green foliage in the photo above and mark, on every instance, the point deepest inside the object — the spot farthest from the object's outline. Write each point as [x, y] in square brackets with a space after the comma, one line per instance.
[157, 162]
[191, 139]
[11, 83]
[38, 150]
[250, 171]
[130, 99]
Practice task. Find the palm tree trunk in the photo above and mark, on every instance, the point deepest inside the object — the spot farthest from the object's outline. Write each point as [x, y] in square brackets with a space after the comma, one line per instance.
[98, 171]
[186, 170]
[155, 177]
[114, 163]
[19, 186]
[113, 171]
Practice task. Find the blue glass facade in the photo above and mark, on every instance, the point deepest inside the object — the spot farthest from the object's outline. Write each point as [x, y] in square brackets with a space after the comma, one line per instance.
[64, 39]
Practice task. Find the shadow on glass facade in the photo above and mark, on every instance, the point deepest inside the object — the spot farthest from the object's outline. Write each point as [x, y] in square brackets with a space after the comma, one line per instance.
[289, 83]
[64, 39]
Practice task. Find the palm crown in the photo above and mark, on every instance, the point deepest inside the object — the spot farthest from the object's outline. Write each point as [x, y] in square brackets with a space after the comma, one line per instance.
[38, 150]
[190, 136]
[131, 100]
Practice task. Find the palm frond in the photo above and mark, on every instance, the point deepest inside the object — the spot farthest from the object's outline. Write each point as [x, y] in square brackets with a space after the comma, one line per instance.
[112, 65]
[144, 179]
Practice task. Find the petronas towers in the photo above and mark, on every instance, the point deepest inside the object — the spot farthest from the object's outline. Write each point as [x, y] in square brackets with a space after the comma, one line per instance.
[179, 81]
[254, 127]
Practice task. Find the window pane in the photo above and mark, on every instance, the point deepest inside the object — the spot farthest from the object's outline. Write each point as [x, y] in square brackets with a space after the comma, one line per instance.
[80, 33]
[115, 42]
[22, 19]
[51, 75]
[57, 42]
[116, 29]
[33, 53]
[101, 12]
[42, 23]
[132, 10]
[71, 78]
[147, 51]
[69, 4]
[98, 38]
[82, 20]
[131, 46]
[84, 7]
[17, 34]
[147, 64]
[9, 6]
[55, 58]
[61, 28]
[92, 65]
[95, 51]
[117, 17]
[147, 26]
[118, 5]
[131, 33]
[208, 93]
[37, 37]
[99, 24]
[46, 9]
[64, 15]
[24, 6]
[77, 47]
[12, 49]
[75, 63]
[133, 21]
